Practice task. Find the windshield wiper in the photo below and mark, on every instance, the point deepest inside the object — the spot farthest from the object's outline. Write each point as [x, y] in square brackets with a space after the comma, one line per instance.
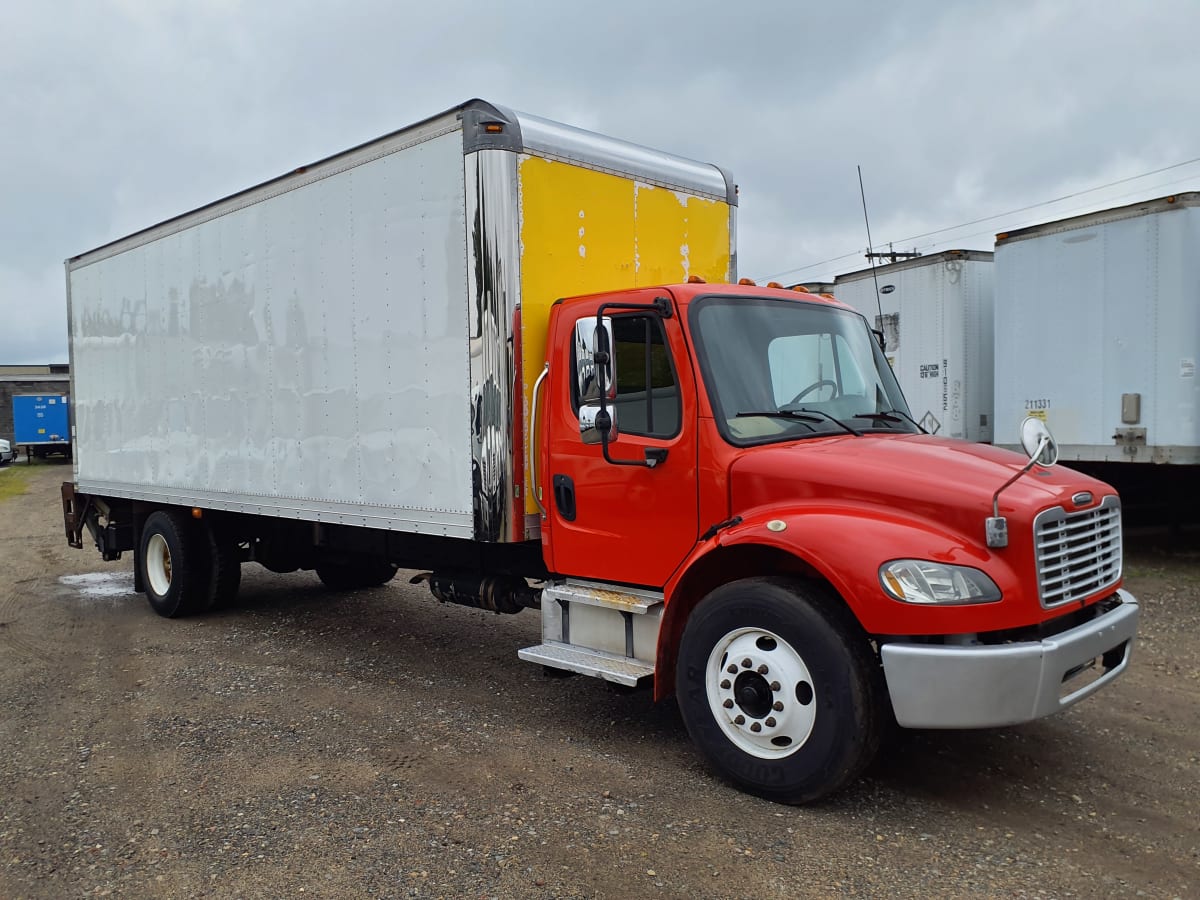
[891, 415]
[802, 415]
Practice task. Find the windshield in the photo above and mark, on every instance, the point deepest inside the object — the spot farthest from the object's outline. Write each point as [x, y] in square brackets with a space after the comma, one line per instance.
[781, 370]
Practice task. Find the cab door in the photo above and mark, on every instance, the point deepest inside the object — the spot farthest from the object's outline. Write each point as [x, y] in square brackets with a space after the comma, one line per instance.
[632, 524]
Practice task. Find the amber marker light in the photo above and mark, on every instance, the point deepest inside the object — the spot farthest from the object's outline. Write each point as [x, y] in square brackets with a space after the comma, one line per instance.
[197, 512]
[493, 128]
[696, 279]
[749, 281]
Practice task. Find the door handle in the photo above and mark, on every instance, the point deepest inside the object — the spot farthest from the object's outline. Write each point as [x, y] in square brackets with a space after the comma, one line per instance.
[564, 496]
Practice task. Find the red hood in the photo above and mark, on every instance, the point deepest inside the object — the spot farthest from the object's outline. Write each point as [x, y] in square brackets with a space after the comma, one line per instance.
[948, 481]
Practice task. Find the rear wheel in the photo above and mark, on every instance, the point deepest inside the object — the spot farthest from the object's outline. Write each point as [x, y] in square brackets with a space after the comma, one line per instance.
[175, 564]
[779, 688]
[226, 570]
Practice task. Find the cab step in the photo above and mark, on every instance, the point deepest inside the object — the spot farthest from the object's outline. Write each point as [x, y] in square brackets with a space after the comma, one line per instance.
[599, 630]
[591, 593]
[596, 663]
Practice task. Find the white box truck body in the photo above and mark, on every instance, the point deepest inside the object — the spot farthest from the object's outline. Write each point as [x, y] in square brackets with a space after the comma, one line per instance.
[1098, 328]
[354, 342]
[937, 324]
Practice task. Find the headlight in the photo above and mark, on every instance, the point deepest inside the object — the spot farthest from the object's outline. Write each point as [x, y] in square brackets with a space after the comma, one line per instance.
[922, 581]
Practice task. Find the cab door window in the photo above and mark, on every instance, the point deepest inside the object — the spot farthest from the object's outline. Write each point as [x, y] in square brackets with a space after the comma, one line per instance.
[647, 401]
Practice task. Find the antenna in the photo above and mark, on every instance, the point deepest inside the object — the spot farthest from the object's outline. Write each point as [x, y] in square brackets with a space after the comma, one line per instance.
[871, 256]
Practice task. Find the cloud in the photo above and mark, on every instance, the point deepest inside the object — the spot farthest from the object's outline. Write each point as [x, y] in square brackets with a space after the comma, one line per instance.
[33, 317]
[121, 114]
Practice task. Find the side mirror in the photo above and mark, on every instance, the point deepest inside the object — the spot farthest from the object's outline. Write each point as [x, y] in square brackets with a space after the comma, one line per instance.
[590, 340]
[1038, 443]
[594, 428]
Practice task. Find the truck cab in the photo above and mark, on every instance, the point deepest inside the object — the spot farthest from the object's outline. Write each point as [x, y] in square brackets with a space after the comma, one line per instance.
[737, 504]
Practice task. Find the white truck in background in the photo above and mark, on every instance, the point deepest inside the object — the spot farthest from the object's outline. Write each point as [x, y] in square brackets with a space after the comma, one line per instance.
[1098, 326]
[935, 313]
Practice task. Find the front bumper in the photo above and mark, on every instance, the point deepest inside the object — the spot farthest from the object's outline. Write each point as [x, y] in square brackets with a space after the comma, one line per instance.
[978, 686]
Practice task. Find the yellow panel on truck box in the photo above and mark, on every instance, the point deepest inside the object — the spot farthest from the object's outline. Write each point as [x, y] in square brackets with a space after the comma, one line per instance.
[584, 231]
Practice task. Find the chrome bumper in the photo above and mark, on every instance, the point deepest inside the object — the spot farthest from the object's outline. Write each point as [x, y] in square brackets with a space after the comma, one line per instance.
[942, 686]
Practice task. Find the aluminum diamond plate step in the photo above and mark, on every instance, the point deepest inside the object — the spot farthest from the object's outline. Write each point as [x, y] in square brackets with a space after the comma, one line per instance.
[597, 663]
[627, 600]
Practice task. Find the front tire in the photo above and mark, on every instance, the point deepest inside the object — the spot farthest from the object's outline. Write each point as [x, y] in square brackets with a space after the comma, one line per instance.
[779, 688]
[175, 565]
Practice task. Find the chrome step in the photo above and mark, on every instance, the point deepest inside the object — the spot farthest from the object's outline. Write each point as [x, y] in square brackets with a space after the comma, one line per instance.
[590, 593]
[597, 663]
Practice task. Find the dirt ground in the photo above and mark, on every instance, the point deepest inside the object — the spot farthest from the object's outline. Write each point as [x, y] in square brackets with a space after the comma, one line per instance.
[380, 744]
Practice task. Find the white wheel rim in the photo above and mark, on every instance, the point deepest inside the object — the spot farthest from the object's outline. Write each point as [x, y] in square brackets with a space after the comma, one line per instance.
[761, 693]
[158, 564]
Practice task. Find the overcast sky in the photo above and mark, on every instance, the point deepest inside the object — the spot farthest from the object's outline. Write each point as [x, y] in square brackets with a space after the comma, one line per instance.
[117, 114]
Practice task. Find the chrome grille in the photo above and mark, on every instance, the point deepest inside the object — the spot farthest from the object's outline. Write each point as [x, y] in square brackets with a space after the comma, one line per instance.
[1078, 553]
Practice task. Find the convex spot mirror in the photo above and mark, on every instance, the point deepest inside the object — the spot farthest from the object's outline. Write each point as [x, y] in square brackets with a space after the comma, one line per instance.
[590, 340]
[1038, 443]
[590, 426]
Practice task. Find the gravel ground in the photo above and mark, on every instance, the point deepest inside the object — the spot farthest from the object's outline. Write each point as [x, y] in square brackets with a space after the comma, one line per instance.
[379, 744]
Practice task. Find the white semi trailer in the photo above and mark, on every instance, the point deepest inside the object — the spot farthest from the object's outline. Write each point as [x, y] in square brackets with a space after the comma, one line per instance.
[935, 313]
[1098, 327]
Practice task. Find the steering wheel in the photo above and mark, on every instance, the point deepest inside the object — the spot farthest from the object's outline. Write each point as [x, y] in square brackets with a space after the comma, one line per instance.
[816, 385]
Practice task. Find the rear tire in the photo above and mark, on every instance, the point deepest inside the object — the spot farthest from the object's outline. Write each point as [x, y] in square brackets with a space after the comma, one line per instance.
[226, 570]
[355, 576]
[779, 688]
[175, 564]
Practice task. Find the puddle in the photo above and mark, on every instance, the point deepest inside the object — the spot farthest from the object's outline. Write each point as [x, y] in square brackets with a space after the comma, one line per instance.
[100, 584]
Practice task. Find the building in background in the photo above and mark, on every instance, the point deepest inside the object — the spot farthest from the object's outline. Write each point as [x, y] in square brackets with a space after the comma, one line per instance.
[54, 378]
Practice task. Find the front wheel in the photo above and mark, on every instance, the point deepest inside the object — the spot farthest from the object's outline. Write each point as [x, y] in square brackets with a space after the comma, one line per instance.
[779, 688]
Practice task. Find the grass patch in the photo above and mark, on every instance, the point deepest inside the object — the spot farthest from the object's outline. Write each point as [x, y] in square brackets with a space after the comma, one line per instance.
[14, 480]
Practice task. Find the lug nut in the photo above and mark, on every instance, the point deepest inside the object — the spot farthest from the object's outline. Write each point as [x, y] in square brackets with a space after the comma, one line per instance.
[762, 670]
[777, 706]
[756, 728]
[732, 670]
[770, 722]
[746, 663]
[728, 704]
[726, 685]
[740, 720]
[775, 685]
